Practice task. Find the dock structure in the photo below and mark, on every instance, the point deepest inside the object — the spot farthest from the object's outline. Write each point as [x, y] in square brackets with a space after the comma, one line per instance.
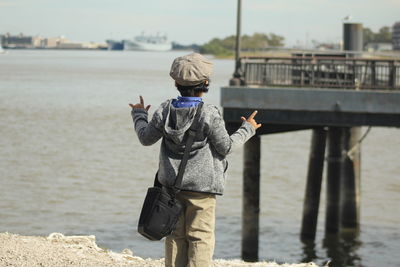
[331, 95]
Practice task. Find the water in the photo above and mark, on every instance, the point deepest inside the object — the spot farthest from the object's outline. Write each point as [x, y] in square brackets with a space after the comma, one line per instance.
[70, 162]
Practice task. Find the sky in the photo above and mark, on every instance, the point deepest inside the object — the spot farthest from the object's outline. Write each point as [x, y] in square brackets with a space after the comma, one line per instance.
[192, 21]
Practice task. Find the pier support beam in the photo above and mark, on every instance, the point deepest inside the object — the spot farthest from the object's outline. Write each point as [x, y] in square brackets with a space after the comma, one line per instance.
[351, 171]
[313, 187]
[251, 199]
[333, 180]
[351, 174]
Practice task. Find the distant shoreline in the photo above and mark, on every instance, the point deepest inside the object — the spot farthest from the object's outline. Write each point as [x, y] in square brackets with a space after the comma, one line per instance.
[83, 48]
[42, 48]
[283, 52]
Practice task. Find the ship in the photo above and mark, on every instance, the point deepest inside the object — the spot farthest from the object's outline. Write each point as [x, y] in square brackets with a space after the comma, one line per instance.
[115, 45]
[148, 43]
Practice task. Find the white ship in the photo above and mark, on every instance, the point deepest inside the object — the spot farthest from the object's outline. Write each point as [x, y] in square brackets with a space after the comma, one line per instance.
[148, 43]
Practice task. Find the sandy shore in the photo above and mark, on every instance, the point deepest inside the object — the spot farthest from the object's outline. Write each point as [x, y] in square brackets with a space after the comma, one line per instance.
[59, 250]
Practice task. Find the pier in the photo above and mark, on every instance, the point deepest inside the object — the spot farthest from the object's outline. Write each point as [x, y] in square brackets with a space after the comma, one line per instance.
[332, 94]
[305, 93]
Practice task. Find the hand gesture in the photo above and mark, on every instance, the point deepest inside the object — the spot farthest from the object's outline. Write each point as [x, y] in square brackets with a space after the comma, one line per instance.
[140, 105]
[251, 120]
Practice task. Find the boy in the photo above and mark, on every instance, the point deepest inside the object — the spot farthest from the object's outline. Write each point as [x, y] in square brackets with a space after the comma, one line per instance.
[192, 242]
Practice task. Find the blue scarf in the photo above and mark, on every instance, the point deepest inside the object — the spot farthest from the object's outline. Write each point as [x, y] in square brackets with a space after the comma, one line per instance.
[186, 101]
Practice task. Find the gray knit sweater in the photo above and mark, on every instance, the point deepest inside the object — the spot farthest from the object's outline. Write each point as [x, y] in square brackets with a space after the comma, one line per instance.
[206, 167]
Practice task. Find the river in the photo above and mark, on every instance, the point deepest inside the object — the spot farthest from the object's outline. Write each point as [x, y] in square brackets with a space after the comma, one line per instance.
[70, 162]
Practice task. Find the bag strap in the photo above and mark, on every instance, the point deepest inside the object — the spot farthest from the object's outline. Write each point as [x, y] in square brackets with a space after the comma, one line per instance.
[189, 142]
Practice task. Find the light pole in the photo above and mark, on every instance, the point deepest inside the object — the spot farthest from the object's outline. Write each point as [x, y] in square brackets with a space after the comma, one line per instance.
[236, 75]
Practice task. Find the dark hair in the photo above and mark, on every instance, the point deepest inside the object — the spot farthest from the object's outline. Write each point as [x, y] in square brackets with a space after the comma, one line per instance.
[192, 90]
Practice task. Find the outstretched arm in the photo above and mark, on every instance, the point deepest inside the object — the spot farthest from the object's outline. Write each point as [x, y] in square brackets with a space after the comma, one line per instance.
[147, 132]
[225, 143]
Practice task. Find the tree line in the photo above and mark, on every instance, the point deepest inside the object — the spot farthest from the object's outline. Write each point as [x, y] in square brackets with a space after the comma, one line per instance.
[384, 35]
[257, 41]
[260, 41]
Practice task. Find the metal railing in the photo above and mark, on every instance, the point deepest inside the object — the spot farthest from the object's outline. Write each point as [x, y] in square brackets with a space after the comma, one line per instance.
[332, 72]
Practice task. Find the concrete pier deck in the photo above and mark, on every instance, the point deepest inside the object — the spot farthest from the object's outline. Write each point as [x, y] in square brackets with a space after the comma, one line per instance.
[284, 109]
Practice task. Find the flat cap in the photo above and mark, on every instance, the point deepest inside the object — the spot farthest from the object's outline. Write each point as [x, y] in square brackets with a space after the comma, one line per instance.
[191, 69]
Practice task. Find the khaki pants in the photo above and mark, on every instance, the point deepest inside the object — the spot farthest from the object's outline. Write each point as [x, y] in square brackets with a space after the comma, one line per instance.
[192, 242]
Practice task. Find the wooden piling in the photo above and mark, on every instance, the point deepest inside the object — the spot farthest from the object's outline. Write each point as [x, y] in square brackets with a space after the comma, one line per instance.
[351, 174]
[251, 199]
[313, 186]
[333, 180]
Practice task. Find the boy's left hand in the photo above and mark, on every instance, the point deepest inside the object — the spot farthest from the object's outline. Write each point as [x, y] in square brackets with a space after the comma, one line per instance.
[140, 105]
[252, 121]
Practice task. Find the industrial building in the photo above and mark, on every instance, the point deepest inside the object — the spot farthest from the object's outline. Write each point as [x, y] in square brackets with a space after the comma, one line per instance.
[396, 36]
[37, 42]
[21, 41]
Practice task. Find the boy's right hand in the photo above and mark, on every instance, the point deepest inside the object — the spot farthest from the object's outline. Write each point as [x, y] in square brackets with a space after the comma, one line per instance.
[252, 121]
[140, 105]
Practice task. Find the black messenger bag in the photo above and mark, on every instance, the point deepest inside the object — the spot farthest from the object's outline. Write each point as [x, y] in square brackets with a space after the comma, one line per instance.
[160, 213]
[161, 210]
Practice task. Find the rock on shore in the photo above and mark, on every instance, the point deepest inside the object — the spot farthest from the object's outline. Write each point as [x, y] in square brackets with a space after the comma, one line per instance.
[59, 250]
